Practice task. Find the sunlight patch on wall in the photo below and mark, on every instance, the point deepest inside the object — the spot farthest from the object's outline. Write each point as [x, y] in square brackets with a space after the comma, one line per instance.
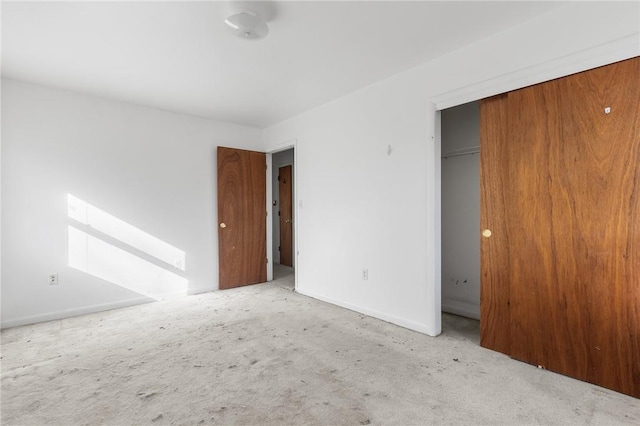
[110, 249]
[116, 228]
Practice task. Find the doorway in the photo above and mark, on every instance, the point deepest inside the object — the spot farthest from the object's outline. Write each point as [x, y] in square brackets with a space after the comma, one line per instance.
[460, 213]
[283, 216]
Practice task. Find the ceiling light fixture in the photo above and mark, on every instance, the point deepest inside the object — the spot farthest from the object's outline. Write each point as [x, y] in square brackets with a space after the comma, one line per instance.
[247, 25]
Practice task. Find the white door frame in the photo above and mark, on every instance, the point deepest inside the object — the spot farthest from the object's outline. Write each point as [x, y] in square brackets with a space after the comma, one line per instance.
[294, 205]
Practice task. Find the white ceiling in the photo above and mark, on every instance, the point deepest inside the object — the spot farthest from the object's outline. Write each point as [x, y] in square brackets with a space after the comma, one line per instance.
[178, 56]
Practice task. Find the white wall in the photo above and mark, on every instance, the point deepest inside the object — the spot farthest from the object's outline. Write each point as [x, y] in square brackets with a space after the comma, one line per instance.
[1, 211]
[368, 174]
[152, 169]
[461, 210]
[280, 159]
[362, 208]
[359, 207]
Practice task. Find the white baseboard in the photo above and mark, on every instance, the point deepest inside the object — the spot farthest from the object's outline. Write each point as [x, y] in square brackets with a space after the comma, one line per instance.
[194, 291]
[50, 316]
[402, 322]
[468, 310]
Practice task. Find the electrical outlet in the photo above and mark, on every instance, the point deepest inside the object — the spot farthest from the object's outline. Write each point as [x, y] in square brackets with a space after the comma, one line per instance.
[365, 274]
[53, 279]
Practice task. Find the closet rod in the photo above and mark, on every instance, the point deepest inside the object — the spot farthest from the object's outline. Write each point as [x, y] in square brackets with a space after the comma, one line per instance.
[463, 151]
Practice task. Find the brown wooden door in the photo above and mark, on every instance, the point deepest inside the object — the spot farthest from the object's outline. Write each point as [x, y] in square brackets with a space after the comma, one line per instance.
[286, 216]
[242, 232]
[561, 195]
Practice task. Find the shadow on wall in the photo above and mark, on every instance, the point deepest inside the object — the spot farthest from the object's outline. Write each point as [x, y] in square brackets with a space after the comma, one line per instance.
[108, 248]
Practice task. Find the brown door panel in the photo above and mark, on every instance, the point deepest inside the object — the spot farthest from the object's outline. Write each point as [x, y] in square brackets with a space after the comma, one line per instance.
[241, 217]
[494, 249]
[561, 190]
[286, 216]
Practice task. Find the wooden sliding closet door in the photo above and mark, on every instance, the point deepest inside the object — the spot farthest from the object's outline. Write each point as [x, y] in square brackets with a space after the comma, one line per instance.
[560, 274]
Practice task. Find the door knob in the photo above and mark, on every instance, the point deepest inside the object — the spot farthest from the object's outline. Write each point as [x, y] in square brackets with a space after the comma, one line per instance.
[287, 221]
[223, 225]
[486, 233]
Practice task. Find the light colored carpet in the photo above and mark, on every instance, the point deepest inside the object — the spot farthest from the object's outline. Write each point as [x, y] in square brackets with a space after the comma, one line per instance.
[265, 355]
[283, 276]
